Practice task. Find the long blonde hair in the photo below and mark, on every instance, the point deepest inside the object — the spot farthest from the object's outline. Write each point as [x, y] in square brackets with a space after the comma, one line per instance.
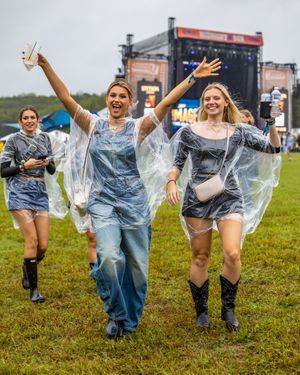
[231, 113]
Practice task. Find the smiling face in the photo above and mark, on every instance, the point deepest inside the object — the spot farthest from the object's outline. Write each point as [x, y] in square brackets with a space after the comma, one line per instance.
[214, 104]
[118, 101]
[29, 121]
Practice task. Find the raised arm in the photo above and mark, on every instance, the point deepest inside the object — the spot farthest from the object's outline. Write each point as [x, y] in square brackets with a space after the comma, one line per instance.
[62, 92]
[203, 70]
[273, 134]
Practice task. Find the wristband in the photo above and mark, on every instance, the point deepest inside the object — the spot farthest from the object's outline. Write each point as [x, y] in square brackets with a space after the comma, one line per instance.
[192, 77]
[271, 122]
[171, 181]
[22, 164]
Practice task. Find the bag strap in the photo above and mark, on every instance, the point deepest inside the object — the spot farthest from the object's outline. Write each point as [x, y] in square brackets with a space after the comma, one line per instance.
[83, 175]
[226, 151]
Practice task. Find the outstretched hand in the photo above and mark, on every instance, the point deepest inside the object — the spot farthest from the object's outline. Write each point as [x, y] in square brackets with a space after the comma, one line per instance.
[205, 69]
[42, 61]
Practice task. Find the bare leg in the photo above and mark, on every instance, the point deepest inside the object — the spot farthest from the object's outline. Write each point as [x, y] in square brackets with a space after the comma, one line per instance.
[41, 222]
[231, 234]
[24, 218]
[91, 238]
[200, 234]
[200, 238]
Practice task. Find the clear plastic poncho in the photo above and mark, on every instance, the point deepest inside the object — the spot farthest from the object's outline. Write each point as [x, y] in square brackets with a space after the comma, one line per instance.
[57, 206]
[125, 174]
[250, 172]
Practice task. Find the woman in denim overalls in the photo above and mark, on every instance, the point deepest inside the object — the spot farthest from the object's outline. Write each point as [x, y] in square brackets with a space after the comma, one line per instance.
[118, 203]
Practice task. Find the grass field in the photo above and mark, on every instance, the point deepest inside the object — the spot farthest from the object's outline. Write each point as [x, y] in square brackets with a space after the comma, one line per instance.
[65, 335]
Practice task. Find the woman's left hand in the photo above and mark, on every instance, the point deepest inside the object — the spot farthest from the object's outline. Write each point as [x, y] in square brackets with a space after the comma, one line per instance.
[207, 69]
[45, 162]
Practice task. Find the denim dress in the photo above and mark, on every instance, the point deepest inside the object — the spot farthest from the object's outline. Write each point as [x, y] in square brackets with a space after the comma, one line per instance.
[27, 193]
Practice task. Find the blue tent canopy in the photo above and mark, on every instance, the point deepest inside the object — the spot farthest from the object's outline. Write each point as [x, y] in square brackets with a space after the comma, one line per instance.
[55, 120]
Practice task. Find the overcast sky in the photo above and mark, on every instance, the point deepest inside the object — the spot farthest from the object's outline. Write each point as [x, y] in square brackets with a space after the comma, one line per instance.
[81, 38]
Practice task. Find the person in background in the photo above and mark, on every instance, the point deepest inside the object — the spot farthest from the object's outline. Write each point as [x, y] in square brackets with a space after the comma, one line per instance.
[289, 145]
[246, 117]
[25, 157]
[212, 145]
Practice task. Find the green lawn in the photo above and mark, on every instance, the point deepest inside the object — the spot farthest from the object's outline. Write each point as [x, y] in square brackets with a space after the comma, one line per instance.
[65, 335]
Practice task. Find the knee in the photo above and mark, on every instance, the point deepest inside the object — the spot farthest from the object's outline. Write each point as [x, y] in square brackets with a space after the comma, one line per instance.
[31, 243]
[42, 249]
[200, 260]
[107, 258]
[91, 237]
[42, 246]
[232, 257]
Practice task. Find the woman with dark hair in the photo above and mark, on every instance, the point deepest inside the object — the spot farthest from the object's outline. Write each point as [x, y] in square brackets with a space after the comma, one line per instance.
[119, 204]
[25, 157]
[213, 146]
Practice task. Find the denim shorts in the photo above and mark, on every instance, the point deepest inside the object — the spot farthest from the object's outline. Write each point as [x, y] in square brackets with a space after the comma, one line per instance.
[27, 194]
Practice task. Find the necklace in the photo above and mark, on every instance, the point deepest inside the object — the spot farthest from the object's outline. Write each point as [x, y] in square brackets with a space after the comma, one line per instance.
[116, 124]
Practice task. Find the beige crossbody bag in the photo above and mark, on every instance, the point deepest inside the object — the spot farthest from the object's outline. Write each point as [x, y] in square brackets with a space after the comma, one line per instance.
[214, 186]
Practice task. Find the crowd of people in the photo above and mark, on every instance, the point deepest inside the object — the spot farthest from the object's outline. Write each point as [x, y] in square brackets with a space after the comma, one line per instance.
[199, 166]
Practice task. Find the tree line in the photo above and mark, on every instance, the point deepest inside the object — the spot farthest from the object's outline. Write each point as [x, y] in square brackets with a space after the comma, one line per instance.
[10, 106]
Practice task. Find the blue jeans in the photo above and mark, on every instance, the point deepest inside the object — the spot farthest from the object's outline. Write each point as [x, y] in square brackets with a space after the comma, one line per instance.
[121, 272]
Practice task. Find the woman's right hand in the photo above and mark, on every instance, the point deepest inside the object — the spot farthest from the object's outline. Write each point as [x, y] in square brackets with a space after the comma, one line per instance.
[33, 164]
[172, 193]
[42, 61]
[205, 69]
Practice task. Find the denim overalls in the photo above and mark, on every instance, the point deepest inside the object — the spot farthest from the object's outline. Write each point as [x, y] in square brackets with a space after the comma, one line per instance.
[118, 206]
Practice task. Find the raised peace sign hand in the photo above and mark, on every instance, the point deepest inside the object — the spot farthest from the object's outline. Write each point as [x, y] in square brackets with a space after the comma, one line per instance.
[205, 69]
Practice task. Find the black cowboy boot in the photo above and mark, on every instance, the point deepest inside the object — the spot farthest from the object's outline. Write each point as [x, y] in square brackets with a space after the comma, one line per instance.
[25, 281]
[228, 295]
[31, 270]
[200, 296]
[39, 258]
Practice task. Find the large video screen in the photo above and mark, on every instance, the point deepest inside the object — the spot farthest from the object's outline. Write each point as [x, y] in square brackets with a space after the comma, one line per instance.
[238, 72]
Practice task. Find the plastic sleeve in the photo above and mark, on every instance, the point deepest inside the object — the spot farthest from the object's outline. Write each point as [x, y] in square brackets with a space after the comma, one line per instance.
[182, 153]
[83, 117]
[258, 142]
[51, 167]
[8, 171]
